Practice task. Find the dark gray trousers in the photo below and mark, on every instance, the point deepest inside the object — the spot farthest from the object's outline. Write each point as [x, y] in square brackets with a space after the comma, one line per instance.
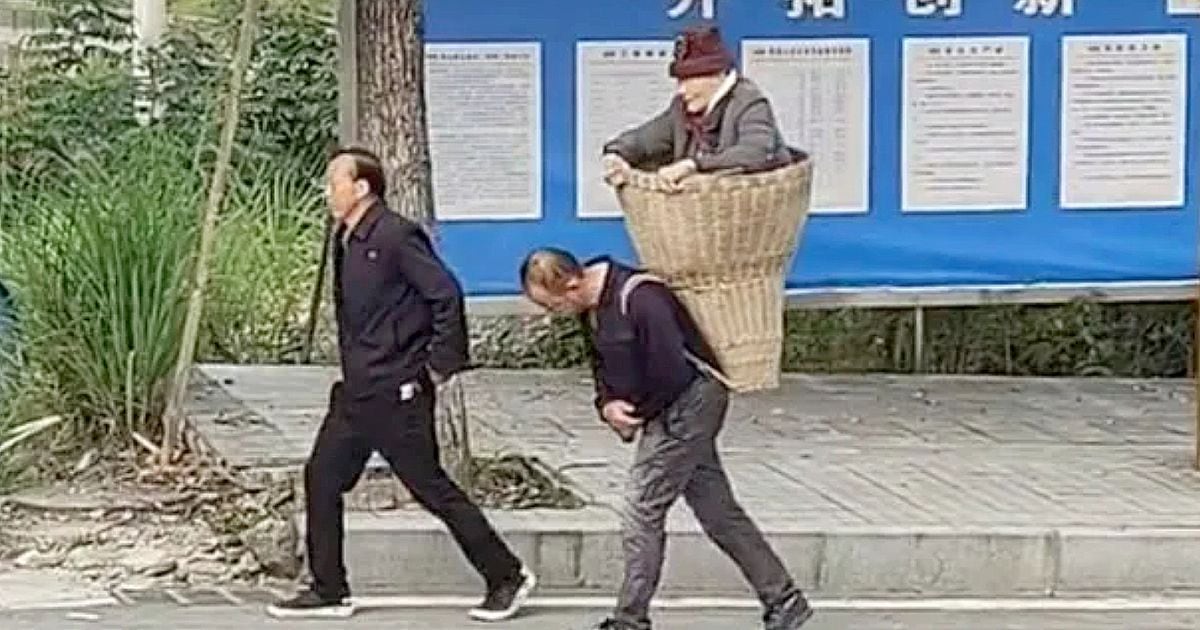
[677, 455]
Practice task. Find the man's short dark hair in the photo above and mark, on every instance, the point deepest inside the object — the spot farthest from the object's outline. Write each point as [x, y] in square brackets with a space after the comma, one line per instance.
[367, 166]
[549, 267]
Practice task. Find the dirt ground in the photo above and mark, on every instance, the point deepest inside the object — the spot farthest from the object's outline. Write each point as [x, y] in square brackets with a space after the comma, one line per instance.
[143, 528]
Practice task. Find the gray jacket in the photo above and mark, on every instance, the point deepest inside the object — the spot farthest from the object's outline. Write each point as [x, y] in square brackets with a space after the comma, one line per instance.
[748, 136]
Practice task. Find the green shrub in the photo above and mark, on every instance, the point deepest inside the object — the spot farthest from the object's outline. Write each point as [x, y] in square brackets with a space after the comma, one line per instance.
[71, 91]
[97, 265]
[98, 214]
[74, 87]
[1080, 338]
[289, 108]
[265, 266]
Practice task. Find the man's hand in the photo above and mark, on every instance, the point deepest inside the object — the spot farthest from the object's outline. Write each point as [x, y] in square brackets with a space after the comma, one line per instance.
[618, 414]
[672, 174]
[616, 170]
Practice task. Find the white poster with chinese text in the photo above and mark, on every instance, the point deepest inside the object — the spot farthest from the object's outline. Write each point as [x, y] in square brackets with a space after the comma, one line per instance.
[1123, 121]
[965, 123]
[619, 85]
[485, 129]
[820, 92]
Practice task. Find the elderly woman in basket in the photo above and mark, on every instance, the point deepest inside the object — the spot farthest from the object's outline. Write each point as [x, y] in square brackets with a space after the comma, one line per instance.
[717, 121]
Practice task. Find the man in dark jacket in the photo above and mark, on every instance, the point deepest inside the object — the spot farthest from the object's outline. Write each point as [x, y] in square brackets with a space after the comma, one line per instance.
[717, 121]
[656, 374]
[401, 331]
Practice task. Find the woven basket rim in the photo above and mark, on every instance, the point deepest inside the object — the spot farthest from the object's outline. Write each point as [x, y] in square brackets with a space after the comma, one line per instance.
[718, 181]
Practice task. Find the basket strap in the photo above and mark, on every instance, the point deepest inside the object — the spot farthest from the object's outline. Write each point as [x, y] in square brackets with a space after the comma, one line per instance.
[633, 282]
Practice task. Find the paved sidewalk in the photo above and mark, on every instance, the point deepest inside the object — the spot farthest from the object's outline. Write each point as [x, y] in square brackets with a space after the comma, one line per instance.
[252, 618]
[867, 484]
[24, 589]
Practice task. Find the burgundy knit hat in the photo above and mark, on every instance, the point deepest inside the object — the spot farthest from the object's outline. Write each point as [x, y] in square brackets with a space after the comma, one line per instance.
[699, 51]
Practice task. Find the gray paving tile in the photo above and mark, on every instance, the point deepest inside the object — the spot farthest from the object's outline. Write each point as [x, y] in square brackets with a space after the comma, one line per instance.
[823, 450]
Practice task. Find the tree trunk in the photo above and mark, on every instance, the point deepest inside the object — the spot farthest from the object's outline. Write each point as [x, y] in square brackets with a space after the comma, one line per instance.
[391, 101]
[390, 114]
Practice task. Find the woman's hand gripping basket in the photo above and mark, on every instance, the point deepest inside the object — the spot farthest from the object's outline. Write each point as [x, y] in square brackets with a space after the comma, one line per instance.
[724, 243]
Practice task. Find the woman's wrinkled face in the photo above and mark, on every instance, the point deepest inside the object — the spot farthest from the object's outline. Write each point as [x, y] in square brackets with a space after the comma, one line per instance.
[697, 92]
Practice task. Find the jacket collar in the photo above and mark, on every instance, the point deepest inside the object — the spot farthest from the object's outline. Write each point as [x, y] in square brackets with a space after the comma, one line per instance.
[366, 224]
[723, 91]
[611, 279]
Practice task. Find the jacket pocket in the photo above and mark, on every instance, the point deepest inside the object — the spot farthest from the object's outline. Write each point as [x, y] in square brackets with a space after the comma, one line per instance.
[618, 358]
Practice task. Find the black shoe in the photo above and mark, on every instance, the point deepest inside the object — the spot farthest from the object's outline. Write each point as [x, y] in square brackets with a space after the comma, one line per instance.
[789, 614]
[310, 604]
[506, 599]
[611, 624]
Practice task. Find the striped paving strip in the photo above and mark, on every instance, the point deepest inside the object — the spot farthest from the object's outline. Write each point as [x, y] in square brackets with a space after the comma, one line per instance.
[179, 598]
[201, 596]
[121, 596]
[229, 596]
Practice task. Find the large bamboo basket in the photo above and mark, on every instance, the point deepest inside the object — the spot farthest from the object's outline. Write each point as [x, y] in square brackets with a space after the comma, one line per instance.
[725, 243]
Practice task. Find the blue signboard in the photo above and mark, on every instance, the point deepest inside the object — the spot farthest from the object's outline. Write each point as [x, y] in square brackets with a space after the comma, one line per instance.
[956, 142]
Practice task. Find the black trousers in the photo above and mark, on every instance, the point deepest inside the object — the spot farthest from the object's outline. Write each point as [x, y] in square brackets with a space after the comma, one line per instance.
[403, 432]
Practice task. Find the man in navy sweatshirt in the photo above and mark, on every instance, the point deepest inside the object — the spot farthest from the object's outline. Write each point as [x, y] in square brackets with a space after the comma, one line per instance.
[656, 374]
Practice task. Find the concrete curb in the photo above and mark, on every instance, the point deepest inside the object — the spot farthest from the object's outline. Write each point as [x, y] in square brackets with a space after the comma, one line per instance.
[580, 553]
[1087, 604]
[27, 589]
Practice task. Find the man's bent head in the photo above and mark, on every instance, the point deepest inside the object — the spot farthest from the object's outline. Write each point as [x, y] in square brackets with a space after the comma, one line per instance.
[700, 65]
[554, 280]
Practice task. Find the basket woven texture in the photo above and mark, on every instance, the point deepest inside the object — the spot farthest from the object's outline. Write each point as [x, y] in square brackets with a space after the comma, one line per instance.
[724, 243]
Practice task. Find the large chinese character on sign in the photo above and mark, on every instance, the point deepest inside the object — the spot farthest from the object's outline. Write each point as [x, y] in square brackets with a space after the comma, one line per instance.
[708, 8]
[928, 8]
[1045, 7]
[801, 9]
